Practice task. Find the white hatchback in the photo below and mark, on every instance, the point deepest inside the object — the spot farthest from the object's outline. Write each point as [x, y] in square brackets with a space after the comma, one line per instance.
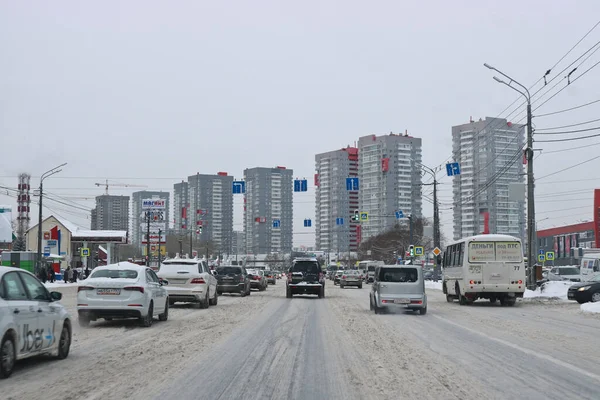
[122, 290]
[32, 322]
[189, 280]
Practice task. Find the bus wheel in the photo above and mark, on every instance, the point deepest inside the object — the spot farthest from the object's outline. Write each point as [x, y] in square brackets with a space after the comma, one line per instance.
[449, 298]
[462, 300]
[493, 300]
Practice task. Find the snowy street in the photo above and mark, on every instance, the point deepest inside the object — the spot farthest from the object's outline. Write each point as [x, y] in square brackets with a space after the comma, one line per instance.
[267, 346]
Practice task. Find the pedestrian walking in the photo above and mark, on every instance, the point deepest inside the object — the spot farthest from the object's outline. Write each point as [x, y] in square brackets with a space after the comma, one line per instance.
[66, 274]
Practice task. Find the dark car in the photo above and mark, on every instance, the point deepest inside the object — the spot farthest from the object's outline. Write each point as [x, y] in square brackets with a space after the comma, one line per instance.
[305, 277]
[271, 278]
[232, 279]
[585, 291]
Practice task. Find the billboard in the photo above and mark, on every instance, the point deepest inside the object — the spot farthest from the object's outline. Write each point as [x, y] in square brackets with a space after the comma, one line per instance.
[154, 204]
[154, 238]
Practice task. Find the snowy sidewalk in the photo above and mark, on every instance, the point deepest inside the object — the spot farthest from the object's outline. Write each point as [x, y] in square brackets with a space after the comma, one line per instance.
[60, 284]
[555, 290]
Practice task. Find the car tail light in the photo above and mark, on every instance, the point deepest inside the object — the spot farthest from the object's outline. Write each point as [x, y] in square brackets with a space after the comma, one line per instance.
[472, 282]
[80, 288]
[241, 278]
[134, 288]
[289, 276]
[320, 275]
[198, 280]
[416, 302]
[520, 282]
[343, 276]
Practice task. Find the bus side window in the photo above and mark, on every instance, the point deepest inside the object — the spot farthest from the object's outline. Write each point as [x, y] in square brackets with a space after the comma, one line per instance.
[461, 253]
[455, 253]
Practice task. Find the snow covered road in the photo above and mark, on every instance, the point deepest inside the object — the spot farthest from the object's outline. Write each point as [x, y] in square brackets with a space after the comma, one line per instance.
[267, 346]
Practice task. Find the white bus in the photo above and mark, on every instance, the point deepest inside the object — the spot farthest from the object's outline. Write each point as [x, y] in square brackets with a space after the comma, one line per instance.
[484, 266]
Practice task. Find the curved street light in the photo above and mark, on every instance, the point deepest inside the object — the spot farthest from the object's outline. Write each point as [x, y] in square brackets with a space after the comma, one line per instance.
[50, 172]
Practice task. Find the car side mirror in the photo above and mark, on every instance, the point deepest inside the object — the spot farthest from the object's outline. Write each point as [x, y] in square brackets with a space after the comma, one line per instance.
[55, 296]
[163, 282]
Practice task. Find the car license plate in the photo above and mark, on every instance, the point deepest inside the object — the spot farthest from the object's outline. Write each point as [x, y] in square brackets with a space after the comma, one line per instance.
[108, 292]
[401, 301]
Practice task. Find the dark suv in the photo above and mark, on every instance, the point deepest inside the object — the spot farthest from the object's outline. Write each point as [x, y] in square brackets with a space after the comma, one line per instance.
[232, 279]
[305, 277]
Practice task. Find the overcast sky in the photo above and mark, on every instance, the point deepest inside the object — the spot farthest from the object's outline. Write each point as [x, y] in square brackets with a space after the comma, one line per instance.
[149, 92]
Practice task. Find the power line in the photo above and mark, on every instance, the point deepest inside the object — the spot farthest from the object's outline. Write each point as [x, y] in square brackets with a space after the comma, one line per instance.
[568, 139]
[568, 132]
[572, 148]
[570, 109]
[568, 168]
[568, 181]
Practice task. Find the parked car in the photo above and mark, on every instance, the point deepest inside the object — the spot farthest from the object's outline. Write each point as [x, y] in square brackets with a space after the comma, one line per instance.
[351, 278]
[122, 290]
[305, 277]
[257, 279]
[32, 321]
[400, 286]
[190, 281]
[337, 276]
[564, 274]
[232, 279]
[270, 275]
[586, 291]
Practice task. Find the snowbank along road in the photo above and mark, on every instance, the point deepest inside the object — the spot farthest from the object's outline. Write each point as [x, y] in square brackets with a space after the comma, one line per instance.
[267, 346]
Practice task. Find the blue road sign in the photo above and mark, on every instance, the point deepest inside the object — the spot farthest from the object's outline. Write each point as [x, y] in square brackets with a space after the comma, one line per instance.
[352, 184]
[339, 221]
[239, 187]
[399, 214]
[550, 255]
[453, 169]
[364, 216]
[418, 250]
[276, 223]
[300, 185]
[541, 251]
[307, 223]
[46, 251]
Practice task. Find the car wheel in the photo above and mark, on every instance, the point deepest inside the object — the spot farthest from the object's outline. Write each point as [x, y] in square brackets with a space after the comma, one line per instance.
[64, 342]
[595, 297]
[360, 286]
[215, 300]
[146, 321]
[7, 356]
[370, 303]
[206, 302]
[321, 292]
[288, 293]
[423, 311]
[511, 301]
[243, 294]
[219, 293]
[342, 286]
[84, 321]
[165, 315]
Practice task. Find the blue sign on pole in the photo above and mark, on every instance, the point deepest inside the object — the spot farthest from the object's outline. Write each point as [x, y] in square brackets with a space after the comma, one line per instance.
[46, 251]
[339, 221]
[399, 214]
[307, 223]
[303, 185]
[541, 251]
[276, 223]
[239, 187]
[453, 169]
[352, 184]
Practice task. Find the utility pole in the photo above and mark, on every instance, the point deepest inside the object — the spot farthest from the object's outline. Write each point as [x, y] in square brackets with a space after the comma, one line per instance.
[531, 233]
[159, 245]
[50, 172]
[410, 236]
[147, 238]
[191, 242]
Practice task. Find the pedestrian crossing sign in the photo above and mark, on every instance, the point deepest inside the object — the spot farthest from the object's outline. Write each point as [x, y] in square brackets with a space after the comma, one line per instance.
[364, 216]
[541, 258]
[85, 252]
[550, 255]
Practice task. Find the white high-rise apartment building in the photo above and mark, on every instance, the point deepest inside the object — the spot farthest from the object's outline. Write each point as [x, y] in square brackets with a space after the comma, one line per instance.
[333, 200]
[268, 197]
[490, 155]
[390, 180]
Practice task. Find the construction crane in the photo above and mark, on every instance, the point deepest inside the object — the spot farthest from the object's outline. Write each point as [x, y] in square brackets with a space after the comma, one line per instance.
[106, 185]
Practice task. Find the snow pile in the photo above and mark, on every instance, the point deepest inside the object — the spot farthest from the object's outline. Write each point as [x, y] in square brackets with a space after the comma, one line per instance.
[593, 308]
[433, 285]
[550, 290]
[60, 284]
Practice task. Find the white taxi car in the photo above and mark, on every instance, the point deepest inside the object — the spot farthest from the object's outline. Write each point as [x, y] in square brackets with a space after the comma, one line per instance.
[190, 281]
[122, 290]
[32, 322]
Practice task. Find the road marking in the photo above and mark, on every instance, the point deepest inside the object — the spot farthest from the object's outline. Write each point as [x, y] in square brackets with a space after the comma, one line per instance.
[524, 350]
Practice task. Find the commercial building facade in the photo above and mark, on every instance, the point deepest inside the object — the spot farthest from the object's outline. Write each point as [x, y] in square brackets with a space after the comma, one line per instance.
[489, 193]
[268, 198]
[138, 219]
[334, 203]
[390, 180]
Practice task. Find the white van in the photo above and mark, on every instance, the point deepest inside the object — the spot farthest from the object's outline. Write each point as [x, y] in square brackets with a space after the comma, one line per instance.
[590, 265]
[484, 266]
[369, 267]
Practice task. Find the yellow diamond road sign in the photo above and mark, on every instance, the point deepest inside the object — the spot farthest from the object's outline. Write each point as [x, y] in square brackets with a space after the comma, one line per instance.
[436, 251]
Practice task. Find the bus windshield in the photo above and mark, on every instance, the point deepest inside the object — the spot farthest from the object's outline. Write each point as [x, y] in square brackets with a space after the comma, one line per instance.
[495, 251]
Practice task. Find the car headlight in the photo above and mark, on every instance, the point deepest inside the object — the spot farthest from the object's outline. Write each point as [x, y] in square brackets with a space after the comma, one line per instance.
[581, 289]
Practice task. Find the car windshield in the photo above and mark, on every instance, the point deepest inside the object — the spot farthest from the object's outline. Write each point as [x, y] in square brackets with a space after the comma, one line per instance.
[398, 275]
[228, 270]
[340, 273]
[115, 273]
[306, 266]
[352, 272]
[371, 268]
[568, 271]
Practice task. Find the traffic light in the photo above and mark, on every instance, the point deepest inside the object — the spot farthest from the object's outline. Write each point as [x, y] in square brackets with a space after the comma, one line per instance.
[356, 216]
[411, 250]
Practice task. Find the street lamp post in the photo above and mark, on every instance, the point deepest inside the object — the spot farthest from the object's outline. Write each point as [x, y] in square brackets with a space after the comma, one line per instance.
[46, 174]
[531, 234]
[436, 212]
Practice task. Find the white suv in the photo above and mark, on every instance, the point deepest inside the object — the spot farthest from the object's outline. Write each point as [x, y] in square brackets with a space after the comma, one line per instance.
[32, 322]
[189, 280]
